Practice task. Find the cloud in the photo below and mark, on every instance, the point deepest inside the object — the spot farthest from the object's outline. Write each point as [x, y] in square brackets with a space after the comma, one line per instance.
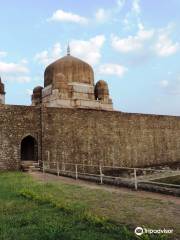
[164, 46]
[15, 72]
[102, 15]
[29, 92]
[88, 50]
[19, 79]
[120, 3]
[24, 61]
[131, 43]
[46, 57]
[13, 68]
[3, 54]
[56, 50]
[62, 16]
[152, 42]
[112, 69]
[164, 83]
[133, 16]
[136, 7]
[175, 87]
[107, 15]
[172, 86]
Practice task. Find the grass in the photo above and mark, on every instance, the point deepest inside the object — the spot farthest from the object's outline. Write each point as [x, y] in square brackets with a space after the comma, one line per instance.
[171, 180]
[38, 211]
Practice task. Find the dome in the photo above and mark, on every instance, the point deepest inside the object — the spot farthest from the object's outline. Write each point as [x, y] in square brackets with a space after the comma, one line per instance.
[1, 87]
[101, 89]
[37, 92]
[60, 82]
[74, 70]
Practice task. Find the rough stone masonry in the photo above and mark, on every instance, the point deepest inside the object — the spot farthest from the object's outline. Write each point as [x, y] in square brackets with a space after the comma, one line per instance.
[89, 136]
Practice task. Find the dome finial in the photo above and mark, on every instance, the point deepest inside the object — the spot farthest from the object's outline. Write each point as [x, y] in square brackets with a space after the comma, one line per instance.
[68, 50]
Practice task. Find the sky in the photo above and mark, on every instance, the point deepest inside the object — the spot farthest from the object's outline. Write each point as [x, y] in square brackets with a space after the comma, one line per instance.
[134, 45]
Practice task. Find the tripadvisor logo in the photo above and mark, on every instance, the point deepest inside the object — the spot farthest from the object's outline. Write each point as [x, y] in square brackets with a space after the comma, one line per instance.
[139, 231]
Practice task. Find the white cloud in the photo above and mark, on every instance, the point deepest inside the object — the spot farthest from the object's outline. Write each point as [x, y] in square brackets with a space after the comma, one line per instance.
[101, 15]
[159, 42]
[171, 86]
[133, 16]
[15, 72]
[175, 87]
[62, 16]
[110, 14]
[121, 3]
[29, 92]
[112, 69]
[46, 57]
[131, 43]
[42, 57]
[164, 83]
[3, 54]
[165, 46]
[19, 79]
[88, 50]
[127, 22]
[13, 68]
[136, 7]
[56, 51]
[24, 61]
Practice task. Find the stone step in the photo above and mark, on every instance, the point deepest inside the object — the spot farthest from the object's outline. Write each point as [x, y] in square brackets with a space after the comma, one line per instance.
[34, 169]
[35, 164]
[27, 163]
[30, 166]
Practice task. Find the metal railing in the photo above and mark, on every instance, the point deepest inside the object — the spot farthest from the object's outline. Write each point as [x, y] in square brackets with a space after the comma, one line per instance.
[100, 172]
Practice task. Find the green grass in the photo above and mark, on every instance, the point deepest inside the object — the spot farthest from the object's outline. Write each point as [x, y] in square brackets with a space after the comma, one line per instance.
[33, 210]
[171, 180]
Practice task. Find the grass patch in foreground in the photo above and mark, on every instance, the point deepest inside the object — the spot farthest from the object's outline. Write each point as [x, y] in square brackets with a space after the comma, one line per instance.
[28, 212]
[171, 180]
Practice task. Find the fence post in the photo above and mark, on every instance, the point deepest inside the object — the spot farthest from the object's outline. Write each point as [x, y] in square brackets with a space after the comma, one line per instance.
[101, 174]
[135, 179]
[63, 167]
[57, 163]
[48, 159]
[44, 171]
[43, 167]
[76, 168]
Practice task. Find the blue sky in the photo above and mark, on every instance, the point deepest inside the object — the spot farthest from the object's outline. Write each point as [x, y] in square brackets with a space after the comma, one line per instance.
[132, 44]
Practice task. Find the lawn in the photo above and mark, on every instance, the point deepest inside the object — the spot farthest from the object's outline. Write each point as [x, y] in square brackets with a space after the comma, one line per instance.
[171, 180]
[48, 211]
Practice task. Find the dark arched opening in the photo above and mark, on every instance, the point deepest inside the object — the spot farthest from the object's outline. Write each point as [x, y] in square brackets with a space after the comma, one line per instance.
[29, 149]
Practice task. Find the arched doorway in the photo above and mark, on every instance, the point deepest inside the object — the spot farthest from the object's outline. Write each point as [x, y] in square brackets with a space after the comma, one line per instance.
[29, 149]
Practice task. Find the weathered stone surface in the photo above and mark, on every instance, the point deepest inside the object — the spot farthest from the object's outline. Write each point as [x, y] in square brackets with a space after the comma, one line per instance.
[17, 122]
[110, 138]
[76, 99]
[74, 70]
[2, 98]
[2, 93]
[89, 136]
